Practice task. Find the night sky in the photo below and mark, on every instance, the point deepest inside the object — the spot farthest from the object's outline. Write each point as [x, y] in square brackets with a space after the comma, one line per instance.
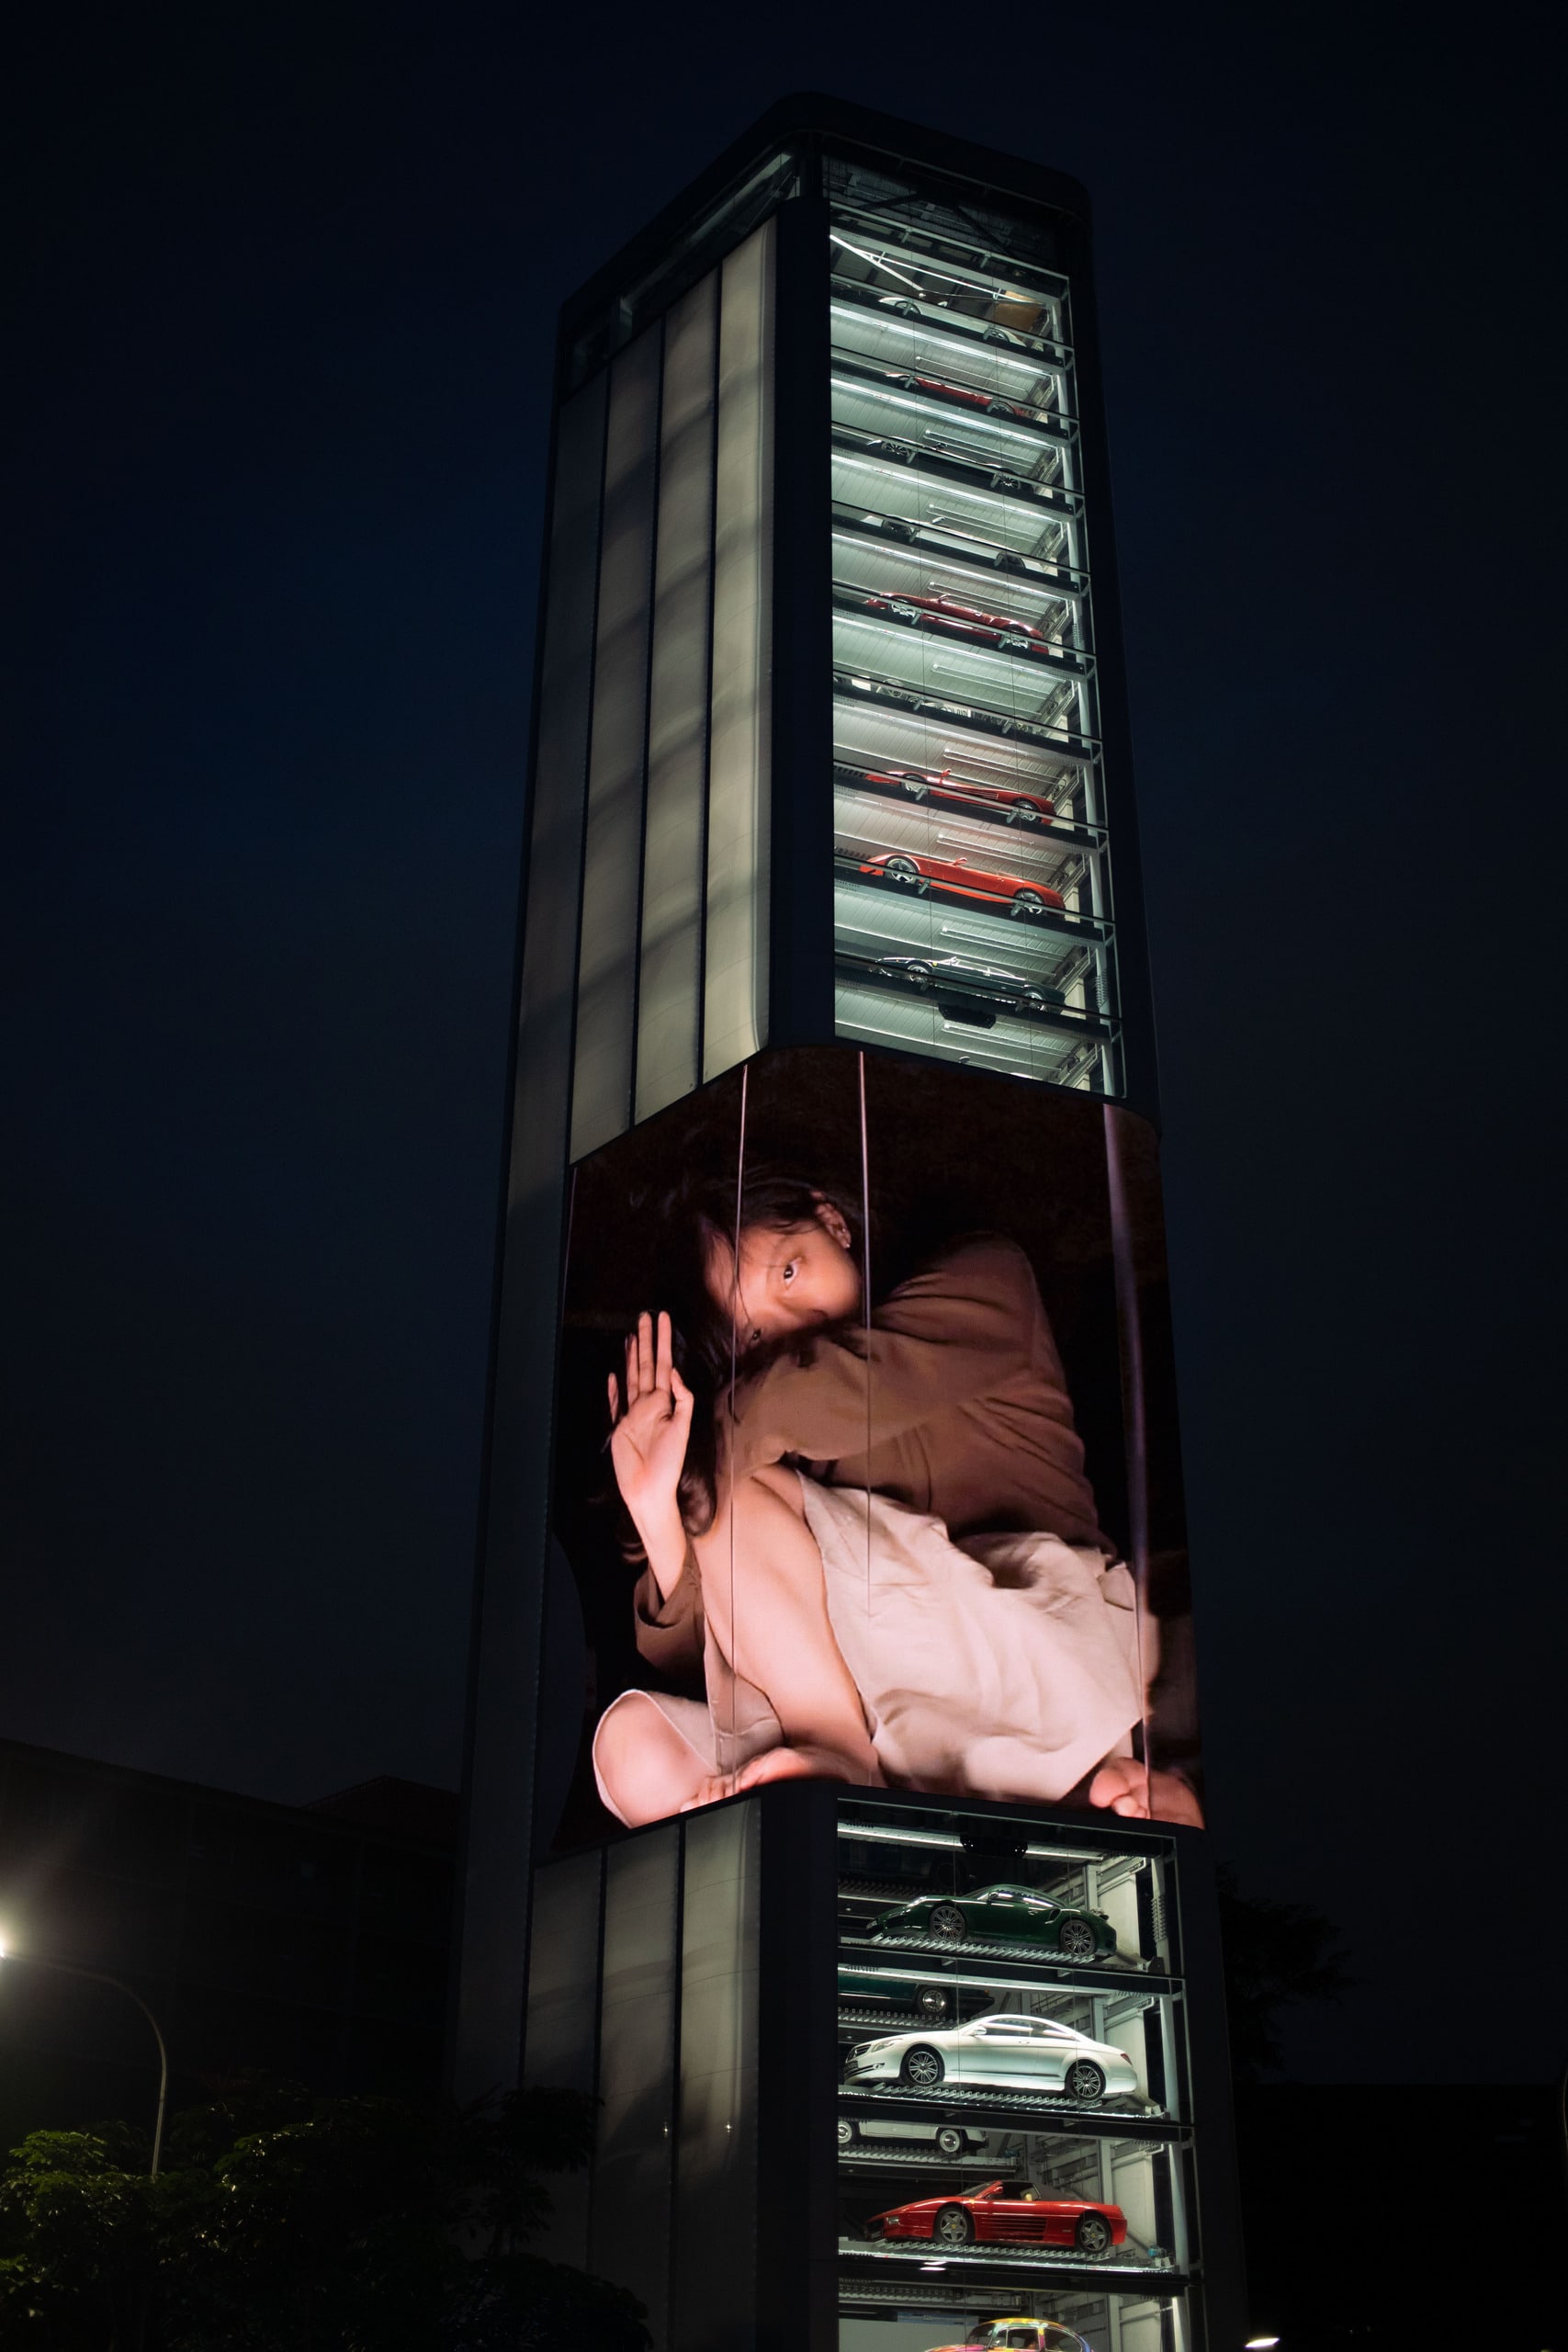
[290, 280]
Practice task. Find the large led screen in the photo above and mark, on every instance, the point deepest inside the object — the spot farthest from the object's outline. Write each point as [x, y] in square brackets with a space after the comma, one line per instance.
[865, 1458]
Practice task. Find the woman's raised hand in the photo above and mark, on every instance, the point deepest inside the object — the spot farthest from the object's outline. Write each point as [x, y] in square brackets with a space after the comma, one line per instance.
[647, 1438]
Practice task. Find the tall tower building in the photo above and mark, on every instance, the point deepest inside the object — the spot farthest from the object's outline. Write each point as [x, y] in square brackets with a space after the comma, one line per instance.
[834, 1795]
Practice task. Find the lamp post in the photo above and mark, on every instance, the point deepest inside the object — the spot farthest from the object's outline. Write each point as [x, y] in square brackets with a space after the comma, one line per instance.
[97, 1976]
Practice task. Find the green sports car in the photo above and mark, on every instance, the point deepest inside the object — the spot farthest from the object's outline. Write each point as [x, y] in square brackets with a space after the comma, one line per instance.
[1011, 1915]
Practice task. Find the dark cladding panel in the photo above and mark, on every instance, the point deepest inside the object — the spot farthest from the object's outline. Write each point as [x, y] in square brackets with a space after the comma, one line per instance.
[717, 2154]
[562, 2028]
[507, 1609]
[606, 980]
[629, 2241]
[670, 978]
[740, 783]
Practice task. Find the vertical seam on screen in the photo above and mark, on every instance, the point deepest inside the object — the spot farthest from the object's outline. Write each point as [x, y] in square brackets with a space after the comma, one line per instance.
[717, 315]
[734, 1329]
[1124, 1275]
[865, 1308]
[678, 1995]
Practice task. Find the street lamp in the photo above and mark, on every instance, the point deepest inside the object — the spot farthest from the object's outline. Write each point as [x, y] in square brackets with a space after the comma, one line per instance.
[97, 1976]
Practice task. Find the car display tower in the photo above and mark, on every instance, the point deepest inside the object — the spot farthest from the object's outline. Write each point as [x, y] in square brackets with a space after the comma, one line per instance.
[831, 800]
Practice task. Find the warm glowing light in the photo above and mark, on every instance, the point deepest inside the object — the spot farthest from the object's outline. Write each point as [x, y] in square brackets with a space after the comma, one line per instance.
[1261, 2343]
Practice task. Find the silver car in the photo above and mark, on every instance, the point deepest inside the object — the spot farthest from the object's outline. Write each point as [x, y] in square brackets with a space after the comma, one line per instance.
[1028, 2053]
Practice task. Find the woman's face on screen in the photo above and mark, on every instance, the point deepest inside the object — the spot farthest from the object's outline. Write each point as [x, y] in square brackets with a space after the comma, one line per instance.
[789, 1279]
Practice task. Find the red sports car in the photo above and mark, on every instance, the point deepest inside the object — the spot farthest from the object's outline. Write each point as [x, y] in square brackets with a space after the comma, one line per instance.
[992, 402]
[962, 620]
[980, 799]
[1006, 2213]
[955, 874]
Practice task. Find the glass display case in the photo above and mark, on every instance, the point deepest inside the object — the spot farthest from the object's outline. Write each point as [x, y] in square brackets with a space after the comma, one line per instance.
[1013, 2114]
[973, 917]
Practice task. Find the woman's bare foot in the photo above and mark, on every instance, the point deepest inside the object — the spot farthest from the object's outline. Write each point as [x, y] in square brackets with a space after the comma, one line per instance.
[800, 1763]
[1123, 1786]
[806, 1762]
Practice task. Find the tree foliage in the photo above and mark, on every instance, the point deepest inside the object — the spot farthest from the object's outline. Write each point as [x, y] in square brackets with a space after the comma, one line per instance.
[285, 2222]
[1276, 1954]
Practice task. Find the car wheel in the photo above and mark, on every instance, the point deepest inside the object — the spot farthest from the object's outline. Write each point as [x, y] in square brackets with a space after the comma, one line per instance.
[947, 1920]
[923, 2068]
[1021, 813]
[997, 334]
[998, 408]
[908, 383]
[1092, 2236]
[914, 790]
[1026, 905]
[903, 872]
[1004, 481]
[931, 2001]
[848, 2132]
[1083, 2080]
[1034, 1000]
[1075, 1939]
[952, 2226]
[950, 2139]
[896, 530]
[908, 309]
[1013, 644]
[920, 975]
[1005, 561]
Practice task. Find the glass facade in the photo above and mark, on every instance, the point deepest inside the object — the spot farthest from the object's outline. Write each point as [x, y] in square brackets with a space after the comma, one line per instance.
[1014, 2101]
[972, 895]
[666, 572]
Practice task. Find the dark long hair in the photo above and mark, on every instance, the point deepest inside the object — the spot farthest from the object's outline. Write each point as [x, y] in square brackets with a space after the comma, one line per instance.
[702, 1213]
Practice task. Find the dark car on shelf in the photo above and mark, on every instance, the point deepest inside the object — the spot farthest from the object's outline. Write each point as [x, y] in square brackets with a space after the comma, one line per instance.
[931, 974]
[906, 870]
[1006, 801]
[859, 1988]
[1005, 2213]
[1003, 1915]
[999, 631]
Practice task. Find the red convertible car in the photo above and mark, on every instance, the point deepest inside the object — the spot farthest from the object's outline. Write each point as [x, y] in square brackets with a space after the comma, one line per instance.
[957, 876]
[961, 620]
[979, 799]
[1006, 2213]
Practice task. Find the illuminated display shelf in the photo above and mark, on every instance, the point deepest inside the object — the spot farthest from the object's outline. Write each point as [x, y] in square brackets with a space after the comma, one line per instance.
[981, 2258]
[932, 2300]
[963, 651]
[1000, 2111]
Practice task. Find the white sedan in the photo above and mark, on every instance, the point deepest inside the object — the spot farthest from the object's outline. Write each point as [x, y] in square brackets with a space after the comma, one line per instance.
[1028, 2053]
